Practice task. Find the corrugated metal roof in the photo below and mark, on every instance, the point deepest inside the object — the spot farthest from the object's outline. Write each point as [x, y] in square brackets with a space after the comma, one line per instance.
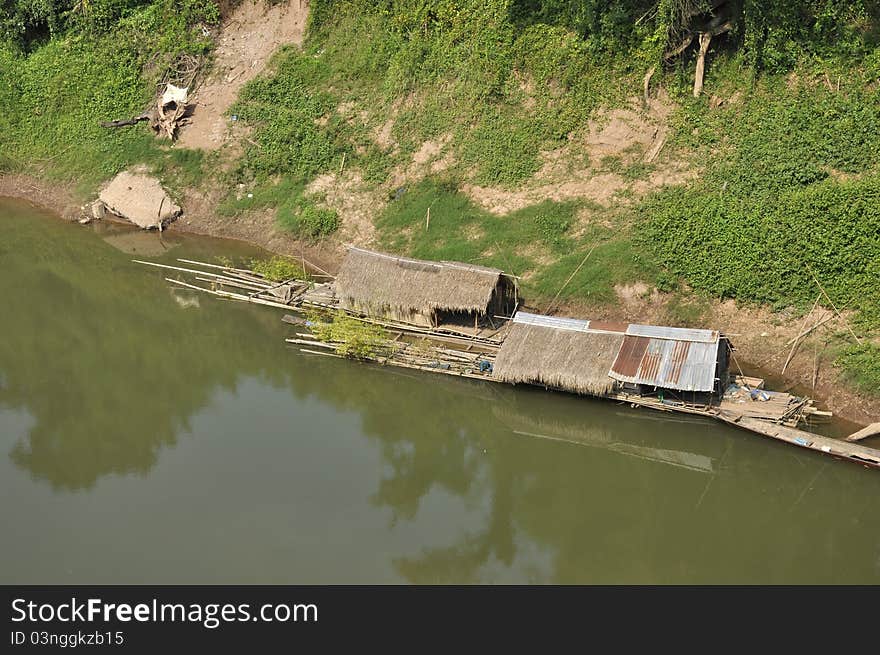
[678, 334]
[669, 363]
[574, 324]
[609, 326]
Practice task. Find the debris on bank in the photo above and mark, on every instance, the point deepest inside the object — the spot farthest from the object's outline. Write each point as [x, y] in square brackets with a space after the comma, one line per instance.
[138, 198]
[172, 110]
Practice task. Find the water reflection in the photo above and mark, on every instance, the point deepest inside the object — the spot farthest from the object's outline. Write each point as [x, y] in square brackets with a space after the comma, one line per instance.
[110, 365]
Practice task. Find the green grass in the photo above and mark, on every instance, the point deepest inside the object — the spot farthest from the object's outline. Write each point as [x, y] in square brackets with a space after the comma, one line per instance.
[788, 197]
[861, 367]
[615, 259]
[534, 241]
[55, 96]
[502, 95]
[461, 231]
[685, 311]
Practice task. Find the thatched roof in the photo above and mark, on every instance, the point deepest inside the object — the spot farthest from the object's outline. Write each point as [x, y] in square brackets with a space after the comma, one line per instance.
[571, 360]
[378, 280]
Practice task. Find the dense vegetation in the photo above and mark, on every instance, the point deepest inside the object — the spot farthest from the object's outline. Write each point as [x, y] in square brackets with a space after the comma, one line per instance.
[788, 198]
[97, 66]
[788, 183]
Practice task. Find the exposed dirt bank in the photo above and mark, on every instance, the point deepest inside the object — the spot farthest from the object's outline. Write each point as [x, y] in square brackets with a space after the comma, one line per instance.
[59, 198]
[248, 39]
[253, 228]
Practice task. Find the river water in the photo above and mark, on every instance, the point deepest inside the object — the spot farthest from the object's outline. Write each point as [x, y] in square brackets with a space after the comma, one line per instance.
[149, 435]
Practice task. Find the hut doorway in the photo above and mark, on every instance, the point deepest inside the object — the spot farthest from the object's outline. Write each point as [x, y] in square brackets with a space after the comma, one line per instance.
[456, 319]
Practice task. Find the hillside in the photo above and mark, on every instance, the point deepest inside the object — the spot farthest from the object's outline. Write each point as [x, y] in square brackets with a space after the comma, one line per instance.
[561, 141]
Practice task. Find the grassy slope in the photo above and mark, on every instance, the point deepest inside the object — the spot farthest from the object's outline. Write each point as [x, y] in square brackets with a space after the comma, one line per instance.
[55, 96]
[788, 190]
[788, 186]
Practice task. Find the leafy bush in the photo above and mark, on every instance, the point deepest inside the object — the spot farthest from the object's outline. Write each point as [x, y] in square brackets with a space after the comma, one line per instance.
[305, 219]
[278, 269]
[355, 338]
[789, 194]
[770, 249]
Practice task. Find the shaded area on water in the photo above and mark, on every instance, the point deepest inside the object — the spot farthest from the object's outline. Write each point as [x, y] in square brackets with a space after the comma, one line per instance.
[152, 435]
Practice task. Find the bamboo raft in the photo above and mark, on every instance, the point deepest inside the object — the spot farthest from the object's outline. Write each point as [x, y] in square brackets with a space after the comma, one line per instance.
[450, 351]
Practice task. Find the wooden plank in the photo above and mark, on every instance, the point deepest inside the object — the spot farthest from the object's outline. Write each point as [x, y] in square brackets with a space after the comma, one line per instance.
[750, 382]
[865, 432]
[834, 447]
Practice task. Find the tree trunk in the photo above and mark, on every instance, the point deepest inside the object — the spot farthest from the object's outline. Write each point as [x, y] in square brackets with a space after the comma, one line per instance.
[705, 38]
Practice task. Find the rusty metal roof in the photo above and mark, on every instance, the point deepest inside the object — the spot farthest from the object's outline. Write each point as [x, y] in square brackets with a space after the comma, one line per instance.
[673, 358]
[669, 363]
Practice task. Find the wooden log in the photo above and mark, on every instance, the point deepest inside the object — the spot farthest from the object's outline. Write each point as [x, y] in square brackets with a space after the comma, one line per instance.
[646, 82]
[681, 47]
[865, 432]
[125, 122]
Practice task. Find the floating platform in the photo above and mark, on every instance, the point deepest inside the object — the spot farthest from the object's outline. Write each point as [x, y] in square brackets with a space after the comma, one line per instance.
[473, 352]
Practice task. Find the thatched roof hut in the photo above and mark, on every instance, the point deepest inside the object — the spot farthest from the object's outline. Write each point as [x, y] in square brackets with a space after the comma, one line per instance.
[559, 353]
[415, 291]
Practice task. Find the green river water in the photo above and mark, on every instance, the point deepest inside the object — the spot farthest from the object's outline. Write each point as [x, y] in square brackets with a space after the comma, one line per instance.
[149, 435]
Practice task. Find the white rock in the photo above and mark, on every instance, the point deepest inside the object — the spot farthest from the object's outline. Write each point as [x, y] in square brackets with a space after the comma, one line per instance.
[139, 198]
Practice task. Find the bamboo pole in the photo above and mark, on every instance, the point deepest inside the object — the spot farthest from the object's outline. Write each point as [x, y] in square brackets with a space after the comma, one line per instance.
[317, 352]
[570, 277]
[189, 270]
[227, 294]
[240, 285]
[833, 306]
[797, 341]
[221, 267]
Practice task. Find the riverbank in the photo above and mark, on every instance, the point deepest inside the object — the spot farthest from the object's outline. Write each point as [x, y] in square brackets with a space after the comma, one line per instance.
[200, 454]
[633, 202]
[199, 219]
[759, 334]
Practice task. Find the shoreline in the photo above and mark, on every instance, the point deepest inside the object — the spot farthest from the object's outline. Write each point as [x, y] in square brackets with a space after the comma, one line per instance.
[846, 403]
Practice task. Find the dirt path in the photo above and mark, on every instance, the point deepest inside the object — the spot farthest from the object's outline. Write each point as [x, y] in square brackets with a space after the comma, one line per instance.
[247, 40]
